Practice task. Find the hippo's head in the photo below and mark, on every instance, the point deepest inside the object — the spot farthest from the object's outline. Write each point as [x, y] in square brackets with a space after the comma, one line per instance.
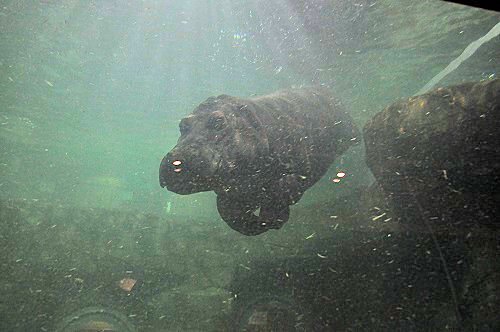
[221, 138]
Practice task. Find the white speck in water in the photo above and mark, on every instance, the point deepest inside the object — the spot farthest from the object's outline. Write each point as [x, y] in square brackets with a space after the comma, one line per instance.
[245, 267]
[378, 217]
[310, 236]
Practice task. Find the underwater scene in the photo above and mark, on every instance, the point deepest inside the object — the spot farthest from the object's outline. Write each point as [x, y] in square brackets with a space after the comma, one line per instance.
[288, 165]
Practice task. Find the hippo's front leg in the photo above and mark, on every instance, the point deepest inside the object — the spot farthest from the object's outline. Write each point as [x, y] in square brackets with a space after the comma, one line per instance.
[240, 215]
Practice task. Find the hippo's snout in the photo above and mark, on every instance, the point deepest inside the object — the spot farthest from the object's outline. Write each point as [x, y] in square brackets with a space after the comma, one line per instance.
[185, 172]
[167, 167]
[174, 167]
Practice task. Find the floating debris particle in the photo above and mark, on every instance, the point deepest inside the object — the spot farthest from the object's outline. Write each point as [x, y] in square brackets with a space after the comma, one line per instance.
[378, 217]
[127, 284]
[310, 236]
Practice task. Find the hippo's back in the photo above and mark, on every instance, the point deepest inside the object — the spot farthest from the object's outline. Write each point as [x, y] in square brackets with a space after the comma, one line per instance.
[306, 121]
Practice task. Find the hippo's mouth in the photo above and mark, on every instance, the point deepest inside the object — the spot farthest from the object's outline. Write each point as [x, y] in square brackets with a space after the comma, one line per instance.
[182, 178]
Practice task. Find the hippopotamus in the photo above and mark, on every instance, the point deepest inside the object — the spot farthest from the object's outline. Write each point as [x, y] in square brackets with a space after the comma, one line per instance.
[260, 154]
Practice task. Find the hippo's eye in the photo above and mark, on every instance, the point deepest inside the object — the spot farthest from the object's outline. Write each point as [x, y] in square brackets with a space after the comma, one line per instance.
[217, 121]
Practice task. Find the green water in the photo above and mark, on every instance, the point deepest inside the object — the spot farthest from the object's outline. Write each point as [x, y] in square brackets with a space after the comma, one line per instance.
[91, 93]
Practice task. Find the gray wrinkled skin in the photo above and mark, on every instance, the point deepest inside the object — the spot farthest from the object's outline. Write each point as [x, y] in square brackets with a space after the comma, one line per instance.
[258, 153]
